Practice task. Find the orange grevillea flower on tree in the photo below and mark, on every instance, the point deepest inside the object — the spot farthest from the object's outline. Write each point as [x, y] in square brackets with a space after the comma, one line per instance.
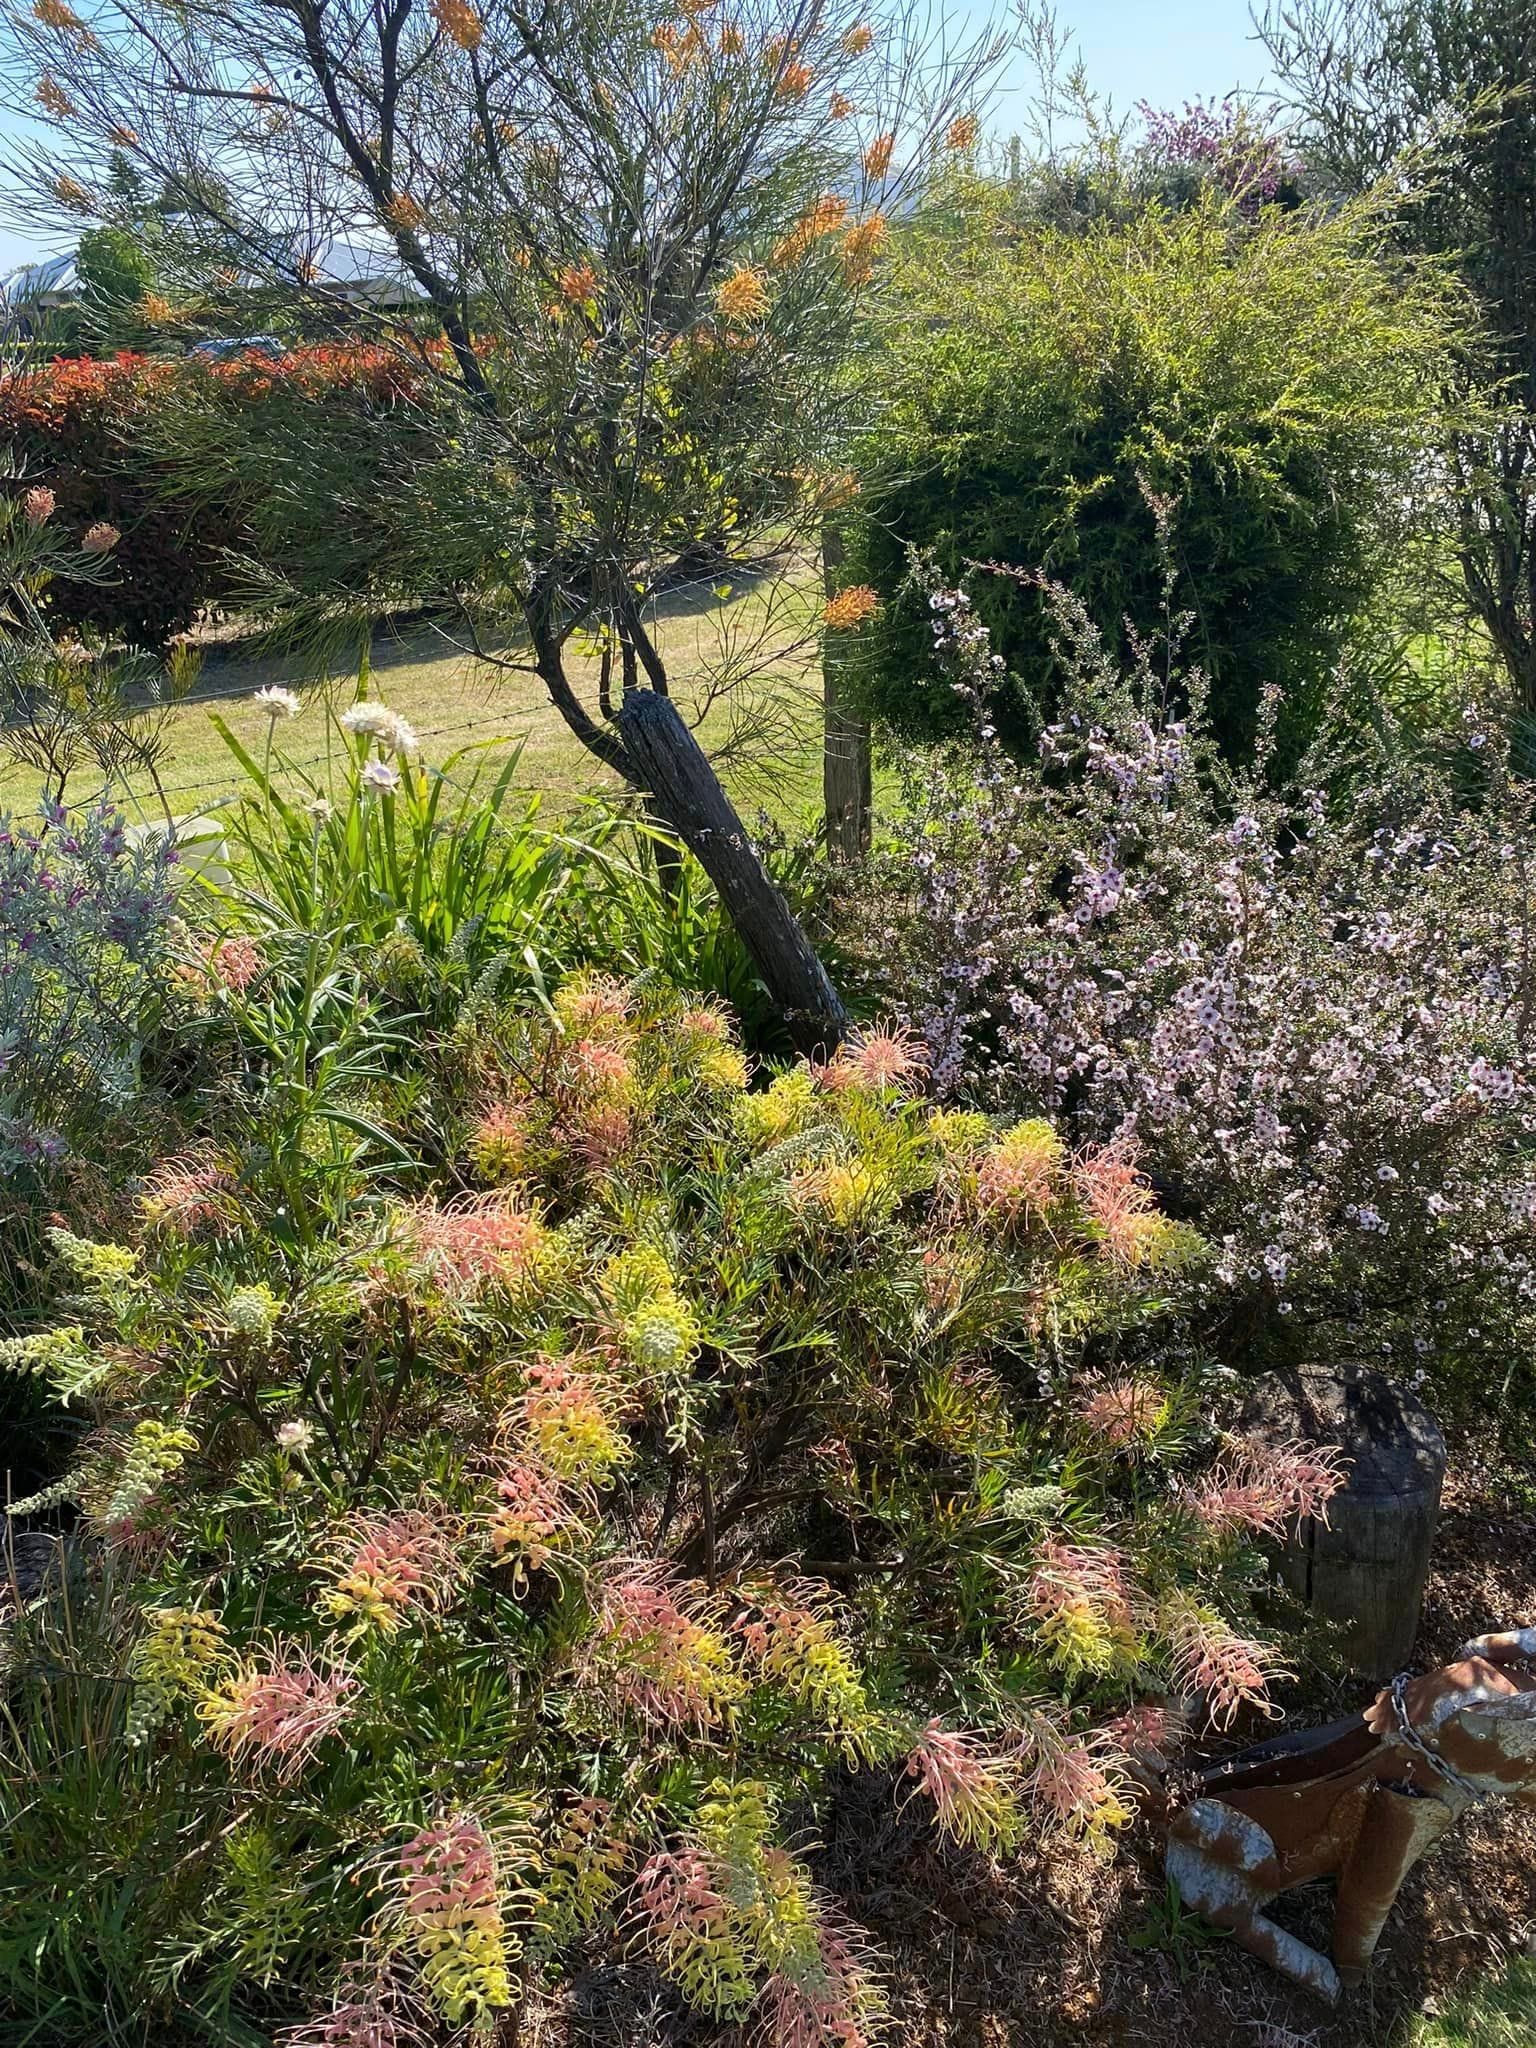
[851, 608]
[862, 245]
[877, 158]
[578, 283]
[459, 22]
[859, 39]
[743, 295]
[962, 132]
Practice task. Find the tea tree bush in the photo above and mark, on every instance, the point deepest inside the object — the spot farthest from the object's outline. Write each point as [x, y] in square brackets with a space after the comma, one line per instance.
[485, 1565]
[1269, 391]
[1311, 1012]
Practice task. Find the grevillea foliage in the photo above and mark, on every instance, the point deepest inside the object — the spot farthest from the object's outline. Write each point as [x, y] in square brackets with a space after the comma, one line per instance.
[492, 1562]
[1308, 1008]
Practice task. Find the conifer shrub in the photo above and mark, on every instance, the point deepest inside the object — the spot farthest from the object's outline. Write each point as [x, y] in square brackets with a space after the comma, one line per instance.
[486, 1543]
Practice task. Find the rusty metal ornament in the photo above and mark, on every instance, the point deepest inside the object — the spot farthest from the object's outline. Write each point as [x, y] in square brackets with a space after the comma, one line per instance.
[1359, 1801]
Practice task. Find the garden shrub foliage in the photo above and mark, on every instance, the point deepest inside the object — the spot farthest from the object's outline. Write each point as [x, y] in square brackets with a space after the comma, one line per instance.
[497, 1558]
[1051, 393]
[1308, 1006]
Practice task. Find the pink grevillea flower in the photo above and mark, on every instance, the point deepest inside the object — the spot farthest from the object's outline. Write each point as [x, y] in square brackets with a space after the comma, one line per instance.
[971, 1787]
[684, 1912]
[597, 1067]
[594, 1006]
[101, 538]
[1265, 1487]
[600, 1134]
[499, 1143]
[450, 1902]
[826, 2000]
[37, 505]
[1019, 1173]
[569, 1416]
[1147, 1731]
[1211, 1659]
[656, 1660]
[390, 1565]
[534, 1514]
[1068, 1574]
[1121, 1411]
[485, 1241]
[188, 1194]
[367, 2020]
[280, 1713]
[884, 1057]
[448, 1872]
[702, 1022]
[1075, 1786]
[234, 962]
[1119, 1201]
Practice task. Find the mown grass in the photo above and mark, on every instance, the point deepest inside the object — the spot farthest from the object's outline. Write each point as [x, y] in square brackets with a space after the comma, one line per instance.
[742, 658]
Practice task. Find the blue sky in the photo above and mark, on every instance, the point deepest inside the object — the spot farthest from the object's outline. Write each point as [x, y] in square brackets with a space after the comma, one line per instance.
[1134, 49]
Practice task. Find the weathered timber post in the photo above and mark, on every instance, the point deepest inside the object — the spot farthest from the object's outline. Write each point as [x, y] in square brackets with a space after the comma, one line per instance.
[673, 767]
[1365, 1568]
[847, 780]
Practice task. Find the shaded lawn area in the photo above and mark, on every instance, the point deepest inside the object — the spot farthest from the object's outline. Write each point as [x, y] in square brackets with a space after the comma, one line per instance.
[743, 660]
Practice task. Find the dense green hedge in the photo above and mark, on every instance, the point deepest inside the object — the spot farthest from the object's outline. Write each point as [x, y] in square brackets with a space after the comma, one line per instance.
[1273, 380]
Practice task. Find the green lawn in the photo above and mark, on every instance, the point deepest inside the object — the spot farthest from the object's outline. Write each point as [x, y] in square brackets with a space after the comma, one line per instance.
[744, 667]
[1500, 2013]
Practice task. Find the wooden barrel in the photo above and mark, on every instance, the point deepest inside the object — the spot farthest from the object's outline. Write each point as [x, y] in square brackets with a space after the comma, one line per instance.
[1365, 1568]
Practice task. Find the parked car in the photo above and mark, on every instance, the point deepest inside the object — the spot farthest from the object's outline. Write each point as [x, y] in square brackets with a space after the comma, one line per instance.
[223, 347]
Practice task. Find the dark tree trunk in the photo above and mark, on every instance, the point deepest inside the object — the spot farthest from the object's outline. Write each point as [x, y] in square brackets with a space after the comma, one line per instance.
[673, 767]
[846, 776]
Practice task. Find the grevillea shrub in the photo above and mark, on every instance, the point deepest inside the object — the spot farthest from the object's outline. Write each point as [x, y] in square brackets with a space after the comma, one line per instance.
[1309, 1017]
[488, 1569]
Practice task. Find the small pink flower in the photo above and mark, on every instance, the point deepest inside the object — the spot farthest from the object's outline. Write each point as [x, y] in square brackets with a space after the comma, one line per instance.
[1210, 1658]
[38, 505]
[969, 1785]
[884, 1057]
[475, 1243]
[655, 1659]
[1121, 1411]
[101, 538]
[278, 1714]
[1266, 1487]
[1119, 1201]
[828, 2006]
[234, 962]
[391, 1565]
[190, 1193]
[1148, 1731]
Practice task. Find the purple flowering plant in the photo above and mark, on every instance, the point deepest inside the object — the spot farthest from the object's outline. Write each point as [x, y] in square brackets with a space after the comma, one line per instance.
[1308, 1008]
[85, 932]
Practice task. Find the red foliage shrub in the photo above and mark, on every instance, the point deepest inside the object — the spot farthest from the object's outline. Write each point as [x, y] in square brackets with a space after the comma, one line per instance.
[85, 428]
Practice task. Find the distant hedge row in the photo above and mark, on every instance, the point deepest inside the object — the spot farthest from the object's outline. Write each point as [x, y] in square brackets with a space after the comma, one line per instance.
[94, 433]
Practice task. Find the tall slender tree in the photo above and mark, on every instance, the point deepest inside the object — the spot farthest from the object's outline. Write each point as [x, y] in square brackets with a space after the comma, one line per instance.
[625, 249]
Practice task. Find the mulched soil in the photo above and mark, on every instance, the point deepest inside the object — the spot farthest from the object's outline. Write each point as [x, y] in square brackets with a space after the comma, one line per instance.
[1066, 1950]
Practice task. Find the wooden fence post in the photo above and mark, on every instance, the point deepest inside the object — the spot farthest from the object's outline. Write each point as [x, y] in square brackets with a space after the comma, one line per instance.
[846, 773]
[675, 769]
